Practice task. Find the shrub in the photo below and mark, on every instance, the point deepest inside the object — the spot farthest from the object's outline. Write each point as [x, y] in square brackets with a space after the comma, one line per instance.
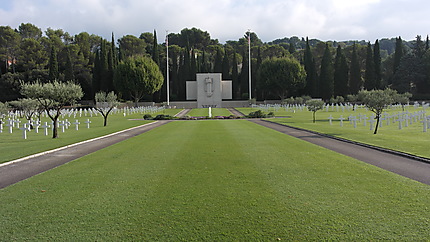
[163, 117]
[257, 114]
[147, 116]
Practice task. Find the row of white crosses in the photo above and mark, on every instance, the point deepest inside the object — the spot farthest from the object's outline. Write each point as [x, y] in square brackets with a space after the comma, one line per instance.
[404, 119]
[26, 127]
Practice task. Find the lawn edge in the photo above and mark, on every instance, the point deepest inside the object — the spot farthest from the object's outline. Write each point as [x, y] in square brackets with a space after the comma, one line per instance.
[72, 145]
[386, 150]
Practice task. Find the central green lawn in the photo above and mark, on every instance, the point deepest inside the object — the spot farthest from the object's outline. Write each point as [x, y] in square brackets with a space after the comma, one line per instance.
[215, 180]
[203, 112]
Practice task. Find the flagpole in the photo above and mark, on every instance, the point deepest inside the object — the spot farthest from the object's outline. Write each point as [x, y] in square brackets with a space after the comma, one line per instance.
[167, 67]
[249, 54]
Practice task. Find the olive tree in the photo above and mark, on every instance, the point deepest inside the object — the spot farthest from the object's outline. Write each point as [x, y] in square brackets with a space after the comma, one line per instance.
[314, 105]
[138, 75]
[3, 109]
[105, 102]
[376, 101]
[53, 96]
[28, 106]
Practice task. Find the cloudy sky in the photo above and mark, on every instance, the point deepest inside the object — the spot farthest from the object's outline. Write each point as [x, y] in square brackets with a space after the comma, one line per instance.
[227, 19]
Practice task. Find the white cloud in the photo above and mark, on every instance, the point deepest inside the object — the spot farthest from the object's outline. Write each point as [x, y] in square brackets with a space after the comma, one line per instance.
[227, 19]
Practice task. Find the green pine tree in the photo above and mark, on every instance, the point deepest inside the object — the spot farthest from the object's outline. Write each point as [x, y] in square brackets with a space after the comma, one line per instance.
[312, 87]
[53, 65]
[355, 73]
[341, 73]
[326, 76]
[378, 64]
[225, 66]
[235, 77]
[155, 52]
[398, 54]
[369, 75]
[68, 72]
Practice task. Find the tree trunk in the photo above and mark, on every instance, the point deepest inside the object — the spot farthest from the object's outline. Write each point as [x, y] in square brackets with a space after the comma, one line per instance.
[54, 129]
[314, 116]
[105, 120]
[377, 124]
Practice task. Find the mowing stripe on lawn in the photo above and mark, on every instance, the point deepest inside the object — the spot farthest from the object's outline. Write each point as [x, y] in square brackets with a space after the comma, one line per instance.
[215, 180]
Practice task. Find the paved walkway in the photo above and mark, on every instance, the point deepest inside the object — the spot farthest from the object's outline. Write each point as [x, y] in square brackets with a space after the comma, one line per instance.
[18, 170]
[406, 166]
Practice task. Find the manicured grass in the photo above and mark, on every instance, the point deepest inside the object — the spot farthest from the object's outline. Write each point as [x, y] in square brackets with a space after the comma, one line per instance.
[228, 180]
[410, 139]
[13, 146]
[203, 112]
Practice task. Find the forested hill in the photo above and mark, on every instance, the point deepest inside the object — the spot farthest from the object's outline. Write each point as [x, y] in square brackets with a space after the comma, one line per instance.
[333, 68]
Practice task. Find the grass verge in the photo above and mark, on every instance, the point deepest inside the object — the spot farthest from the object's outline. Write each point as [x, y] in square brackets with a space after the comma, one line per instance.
[215, 180]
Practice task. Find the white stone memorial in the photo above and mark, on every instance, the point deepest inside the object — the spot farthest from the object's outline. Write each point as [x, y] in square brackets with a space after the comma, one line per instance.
[209, 90]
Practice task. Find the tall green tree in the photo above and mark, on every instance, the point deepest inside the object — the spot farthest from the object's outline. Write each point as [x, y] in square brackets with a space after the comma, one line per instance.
[312, 87]
[326, 74]
[130, 45]
[355, 81]
[369, 75]
[29, 31]
[69, 74]
[398, 54]
[138, 76]
[226, 66]
[155, 53]
[53, 64]
[218, 61]
[9, 46]
[235, 77]
[281, 76]
[378, 64]
[341, 73]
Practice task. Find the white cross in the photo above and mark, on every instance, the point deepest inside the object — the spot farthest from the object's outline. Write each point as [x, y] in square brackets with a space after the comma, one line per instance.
[354, 121]
[330, 119]
[46, 127]
[77, 124]
[400, 120]
[341, 120]
[24, 129]
[10, 125]
[62, 124]
[88, 123]
[424, 125]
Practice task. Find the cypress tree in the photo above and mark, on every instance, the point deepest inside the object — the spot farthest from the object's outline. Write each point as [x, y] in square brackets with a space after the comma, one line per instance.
[341, 74]
[235, 77]
[203, 63]
[96, 73]
[369, 75]
[193, 66]
[326, 76]
[104, 66]
[427, 43]
[355, 73]
[225, 66]
[398, 54]
[377, 63]
[53, 64]
[68, 72]
[155, 52]
[218, 62]
[244, 75]
[311, 74]
[114, 53]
